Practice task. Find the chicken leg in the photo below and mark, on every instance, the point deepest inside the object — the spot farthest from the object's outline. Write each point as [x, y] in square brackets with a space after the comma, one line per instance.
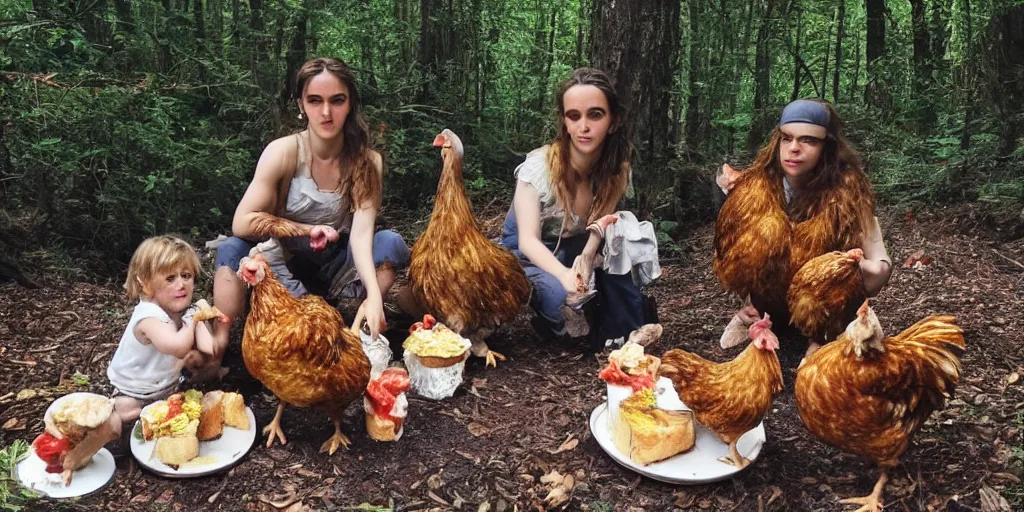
[734, 458]
[873, 501]
[274, 428]
[338, 439]
[479, 347]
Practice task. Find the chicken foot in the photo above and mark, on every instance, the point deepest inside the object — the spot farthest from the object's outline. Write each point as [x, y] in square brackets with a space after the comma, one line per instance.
[480, 349]
[873, 501]
[274, 428]
[337, 440]
[734, 458]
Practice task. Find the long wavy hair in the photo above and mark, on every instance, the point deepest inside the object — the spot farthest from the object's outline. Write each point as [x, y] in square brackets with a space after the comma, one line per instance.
[610, 175]
[837, 179]
[364, 181]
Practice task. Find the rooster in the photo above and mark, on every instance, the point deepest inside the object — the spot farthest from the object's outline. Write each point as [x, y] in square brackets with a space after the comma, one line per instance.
[300, 349]
[456, 273]
[730, 398]
[868, 394]
[760, 249]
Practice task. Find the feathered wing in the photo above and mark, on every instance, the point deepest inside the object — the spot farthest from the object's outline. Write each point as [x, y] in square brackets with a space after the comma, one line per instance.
[455, 272]
[872, 406]
[752, 239]
[729, 398]
[825, 294]
[301, 350]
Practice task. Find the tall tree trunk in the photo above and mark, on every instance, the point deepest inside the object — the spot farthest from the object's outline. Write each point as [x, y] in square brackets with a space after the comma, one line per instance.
[856, 63]
[580, 33]
[761, 122]
[1006, 57]
[738, 70]
[548, 58]
[692, 121]
[922, 47]
[797, 70]
[125, 18]
[824, 71]
[840, 27]
[875, 93]
[427, 50]
[200, 19]
[965, 134]
[216, 10]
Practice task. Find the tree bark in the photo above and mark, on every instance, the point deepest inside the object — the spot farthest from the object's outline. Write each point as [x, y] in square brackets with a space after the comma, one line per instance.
[797, 71]
[692, 122]
[875, 93]
[125, 18]
[762, 82]
[965, 134]
[634, 42]
[922, 47]
[840, 27]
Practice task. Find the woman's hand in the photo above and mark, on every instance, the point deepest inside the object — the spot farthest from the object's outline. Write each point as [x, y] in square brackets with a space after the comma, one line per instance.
[320, 236]
[373, 307]
[570, 280]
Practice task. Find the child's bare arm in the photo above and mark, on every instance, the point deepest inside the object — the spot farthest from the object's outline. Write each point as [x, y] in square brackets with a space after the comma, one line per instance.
[205, 341]
[165, 337]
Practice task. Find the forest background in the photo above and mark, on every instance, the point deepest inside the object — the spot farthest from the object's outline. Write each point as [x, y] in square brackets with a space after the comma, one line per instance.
[121, 119]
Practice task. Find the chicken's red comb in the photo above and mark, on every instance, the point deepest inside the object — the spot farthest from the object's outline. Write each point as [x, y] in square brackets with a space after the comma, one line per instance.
[439, 140]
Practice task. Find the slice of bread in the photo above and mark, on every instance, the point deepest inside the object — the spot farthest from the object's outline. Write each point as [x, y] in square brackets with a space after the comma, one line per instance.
[382, 429]
[234, 411]
[175, 451]
[211, 417]
[647, 434]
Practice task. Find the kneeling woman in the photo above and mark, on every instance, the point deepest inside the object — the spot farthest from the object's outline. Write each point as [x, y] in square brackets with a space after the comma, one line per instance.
[562, 188]
[310, 189]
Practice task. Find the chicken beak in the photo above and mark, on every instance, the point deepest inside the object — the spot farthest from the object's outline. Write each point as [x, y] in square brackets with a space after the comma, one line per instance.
[862, 313]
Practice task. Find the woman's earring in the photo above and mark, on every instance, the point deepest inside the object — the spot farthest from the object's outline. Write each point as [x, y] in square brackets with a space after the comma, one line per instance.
[300, 115]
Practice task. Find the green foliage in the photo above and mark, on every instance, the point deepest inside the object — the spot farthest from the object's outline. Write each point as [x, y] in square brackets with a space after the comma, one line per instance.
[13, 497]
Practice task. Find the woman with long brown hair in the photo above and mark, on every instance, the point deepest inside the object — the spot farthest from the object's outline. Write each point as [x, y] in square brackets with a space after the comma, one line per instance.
[314, 200]
[810, 174]
[565, 194]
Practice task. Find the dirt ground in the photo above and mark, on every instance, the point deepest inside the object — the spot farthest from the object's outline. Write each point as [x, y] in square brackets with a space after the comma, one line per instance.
[489, 447]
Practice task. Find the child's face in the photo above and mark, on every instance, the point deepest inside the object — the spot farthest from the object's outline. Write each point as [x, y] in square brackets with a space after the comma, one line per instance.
[800, 149]
[587, 119]
[171, 290]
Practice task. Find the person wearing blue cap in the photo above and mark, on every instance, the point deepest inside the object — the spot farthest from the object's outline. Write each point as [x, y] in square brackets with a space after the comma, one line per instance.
[810, 171]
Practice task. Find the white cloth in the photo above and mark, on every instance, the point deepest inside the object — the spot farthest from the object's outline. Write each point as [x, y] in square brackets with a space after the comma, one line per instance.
[534, 170]
[138, 369]
[631, 246]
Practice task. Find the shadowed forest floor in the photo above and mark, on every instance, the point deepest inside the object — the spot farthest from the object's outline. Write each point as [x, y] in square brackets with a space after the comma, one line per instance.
[494, 440]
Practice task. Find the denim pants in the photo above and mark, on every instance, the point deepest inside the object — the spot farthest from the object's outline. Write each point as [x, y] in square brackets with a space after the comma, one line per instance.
[313, 272]
[621, 305]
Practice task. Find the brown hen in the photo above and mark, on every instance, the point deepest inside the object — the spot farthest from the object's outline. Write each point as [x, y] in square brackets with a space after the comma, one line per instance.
[729, 398]
[868, 394]
[760, 245]
[825, 294]
[300, 349]
[456, 273]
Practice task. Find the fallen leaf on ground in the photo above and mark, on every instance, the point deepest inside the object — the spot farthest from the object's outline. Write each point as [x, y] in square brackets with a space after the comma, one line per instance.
[569, 444]
[478, 430]
[14, 424]
[1013, 378]
[991, 501]
[26, 394]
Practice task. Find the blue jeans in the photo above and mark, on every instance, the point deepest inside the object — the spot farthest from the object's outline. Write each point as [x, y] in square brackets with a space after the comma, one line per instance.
[621, 305]
[314, 272]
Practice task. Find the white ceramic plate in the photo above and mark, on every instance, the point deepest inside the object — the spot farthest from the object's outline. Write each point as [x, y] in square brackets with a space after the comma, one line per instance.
[228, 449]
[697, 466]
[94, 476]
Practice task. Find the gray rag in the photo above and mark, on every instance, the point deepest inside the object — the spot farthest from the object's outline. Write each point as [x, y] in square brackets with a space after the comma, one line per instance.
[631, 246]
